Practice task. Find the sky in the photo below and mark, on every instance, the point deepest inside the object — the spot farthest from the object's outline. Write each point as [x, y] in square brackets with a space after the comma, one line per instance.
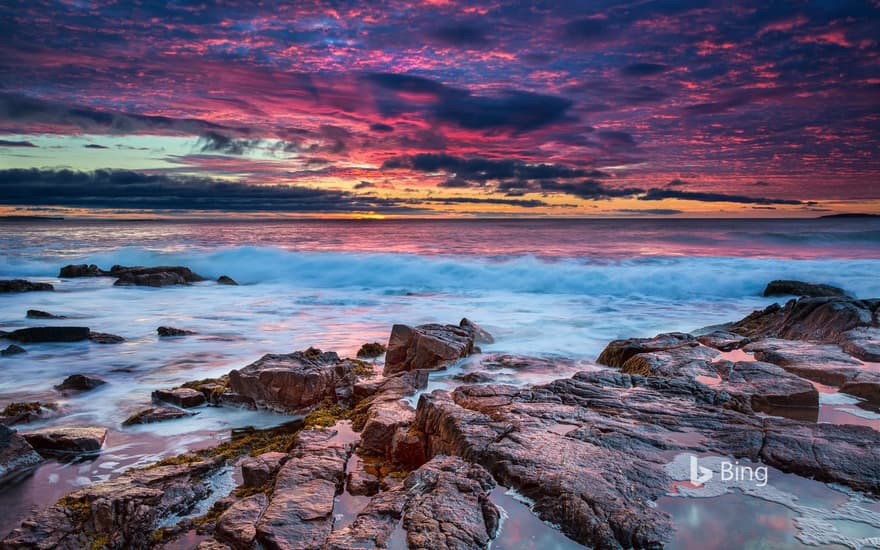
[440, 108]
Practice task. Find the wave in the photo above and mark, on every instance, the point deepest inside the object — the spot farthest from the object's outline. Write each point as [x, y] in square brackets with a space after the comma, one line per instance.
[660, 277]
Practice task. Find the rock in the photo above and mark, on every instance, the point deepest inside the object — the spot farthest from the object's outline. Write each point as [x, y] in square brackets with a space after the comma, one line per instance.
[225, 280]
[150, 279]
[816, 319]
[481, 335]
[24, 412]
[49, 334]
[393, 387]
[382, 421]
[12, 349]
[822, 363]
[182, 397]
[617, 352]
[156, 414]
[21, 285]
[799, 288]
[120, 513]
[768, 388]
[598, 478]
[67, 440]
[408, 448]
[477, 377]
[80, 270]
[443, 505]
[37, 314]
[257, 471]
[165, 332]
[863, 342]
[184, 273]
[371, 350]
[300, 513]
[17, 457]
[723, 340]
[80, 382]
[296, 381]
[429, 346]
[360, 482]
[105, 338]
[238, 524]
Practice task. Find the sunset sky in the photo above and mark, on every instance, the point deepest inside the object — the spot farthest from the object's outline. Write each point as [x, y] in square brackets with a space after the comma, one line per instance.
[452, 108]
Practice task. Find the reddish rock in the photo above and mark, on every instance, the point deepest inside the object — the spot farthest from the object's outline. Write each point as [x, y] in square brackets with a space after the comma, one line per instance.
[429, 346]
[238, 524]
[182, 397]
[67, 440]
[257, 471]
[17, 457]
[616, 353]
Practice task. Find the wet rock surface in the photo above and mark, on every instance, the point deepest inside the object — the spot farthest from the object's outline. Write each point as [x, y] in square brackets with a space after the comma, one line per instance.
[17, 457]
[182, 397]
[481, 335]
[67, 440]
[80, 383]
[117, 514]
[295, 381]
[428, 346]
[49, 334]
[371, 350]
[73, 271]
[39, 314]
[156, 414]
[105, 338]
[800, 288]
[226, 280]
[22, 285]
[12, 349]
[167, 332]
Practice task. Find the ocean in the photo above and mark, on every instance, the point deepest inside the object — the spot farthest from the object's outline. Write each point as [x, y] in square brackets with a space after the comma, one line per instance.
[551, 288]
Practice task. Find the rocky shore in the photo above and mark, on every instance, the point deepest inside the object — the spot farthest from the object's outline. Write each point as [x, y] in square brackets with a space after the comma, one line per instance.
[590, 453]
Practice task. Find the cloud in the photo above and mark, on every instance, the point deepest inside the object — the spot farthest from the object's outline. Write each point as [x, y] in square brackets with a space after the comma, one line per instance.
[215, 142]
[460, 35]
[478, 169]
[657, 194]
[382, 128]
[589, 189]
[128, 189]
[8, 143]
[643, 69]
[651, 211]
[586, 31]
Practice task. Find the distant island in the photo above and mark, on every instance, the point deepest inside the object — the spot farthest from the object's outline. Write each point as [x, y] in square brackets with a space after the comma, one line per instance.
[28, 218]
[850, 215]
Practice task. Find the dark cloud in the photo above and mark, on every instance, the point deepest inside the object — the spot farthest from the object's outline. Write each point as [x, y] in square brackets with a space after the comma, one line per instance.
[460, 35]
[8, 143]
[215, 142]
[617, 138]
[589, 189]
[524, 203]
[651, 211]
[643, 69]
[586, 31]
[364, 185]
[128, 189]
[660, 194]
[514, 110]
[380, 127]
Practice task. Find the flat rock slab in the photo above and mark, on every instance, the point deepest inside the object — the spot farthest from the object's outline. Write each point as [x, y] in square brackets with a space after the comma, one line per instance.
[862, 342]
[599, 477]
[300, 513]
[156, 414]
[430, 346]
[238, 524]
[67, 440]
[296, 381]
[182, 397]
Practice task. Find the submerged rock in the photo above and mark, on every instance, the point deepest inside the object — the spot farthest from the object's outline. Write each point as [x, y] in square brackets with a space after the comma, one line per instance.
[80, 382]
[182, 397]
[24, 412]
[150, 279]
[156, 414]
[12, 349]
[21, 285]
[799, 288]
[137, 272]
[17, 457]
[49, 334]
[105, 338]
[67, 440]
[429, 346]
[118, 514]
[225, 280]
[38, 314]
[296, 381]
[81, 270]
[165, 332]
[371, 350]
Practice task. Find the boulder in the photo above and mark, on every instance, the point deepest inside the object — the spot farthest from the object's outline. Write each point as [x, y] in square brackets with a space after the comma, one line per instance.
[165, 332]
[371, 350]
[429, 346]
[150, 279]
[257, 471]
[49, 334]
[238, 524]
[105, 338]
[617, 352]
[67, 440]
[296, 381]
[225, 280]
[481, 335]
[118, 514]
[300, 513]
[361, 482]
[17, 457]
[12, 349]
[799, 288]
[24, 412]
[80, 270]
[21, 285]
[136, 272]
[824, 319]
[80, 383]
[38, 314]
[382, 421]
[156, 414]
[182, 397]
